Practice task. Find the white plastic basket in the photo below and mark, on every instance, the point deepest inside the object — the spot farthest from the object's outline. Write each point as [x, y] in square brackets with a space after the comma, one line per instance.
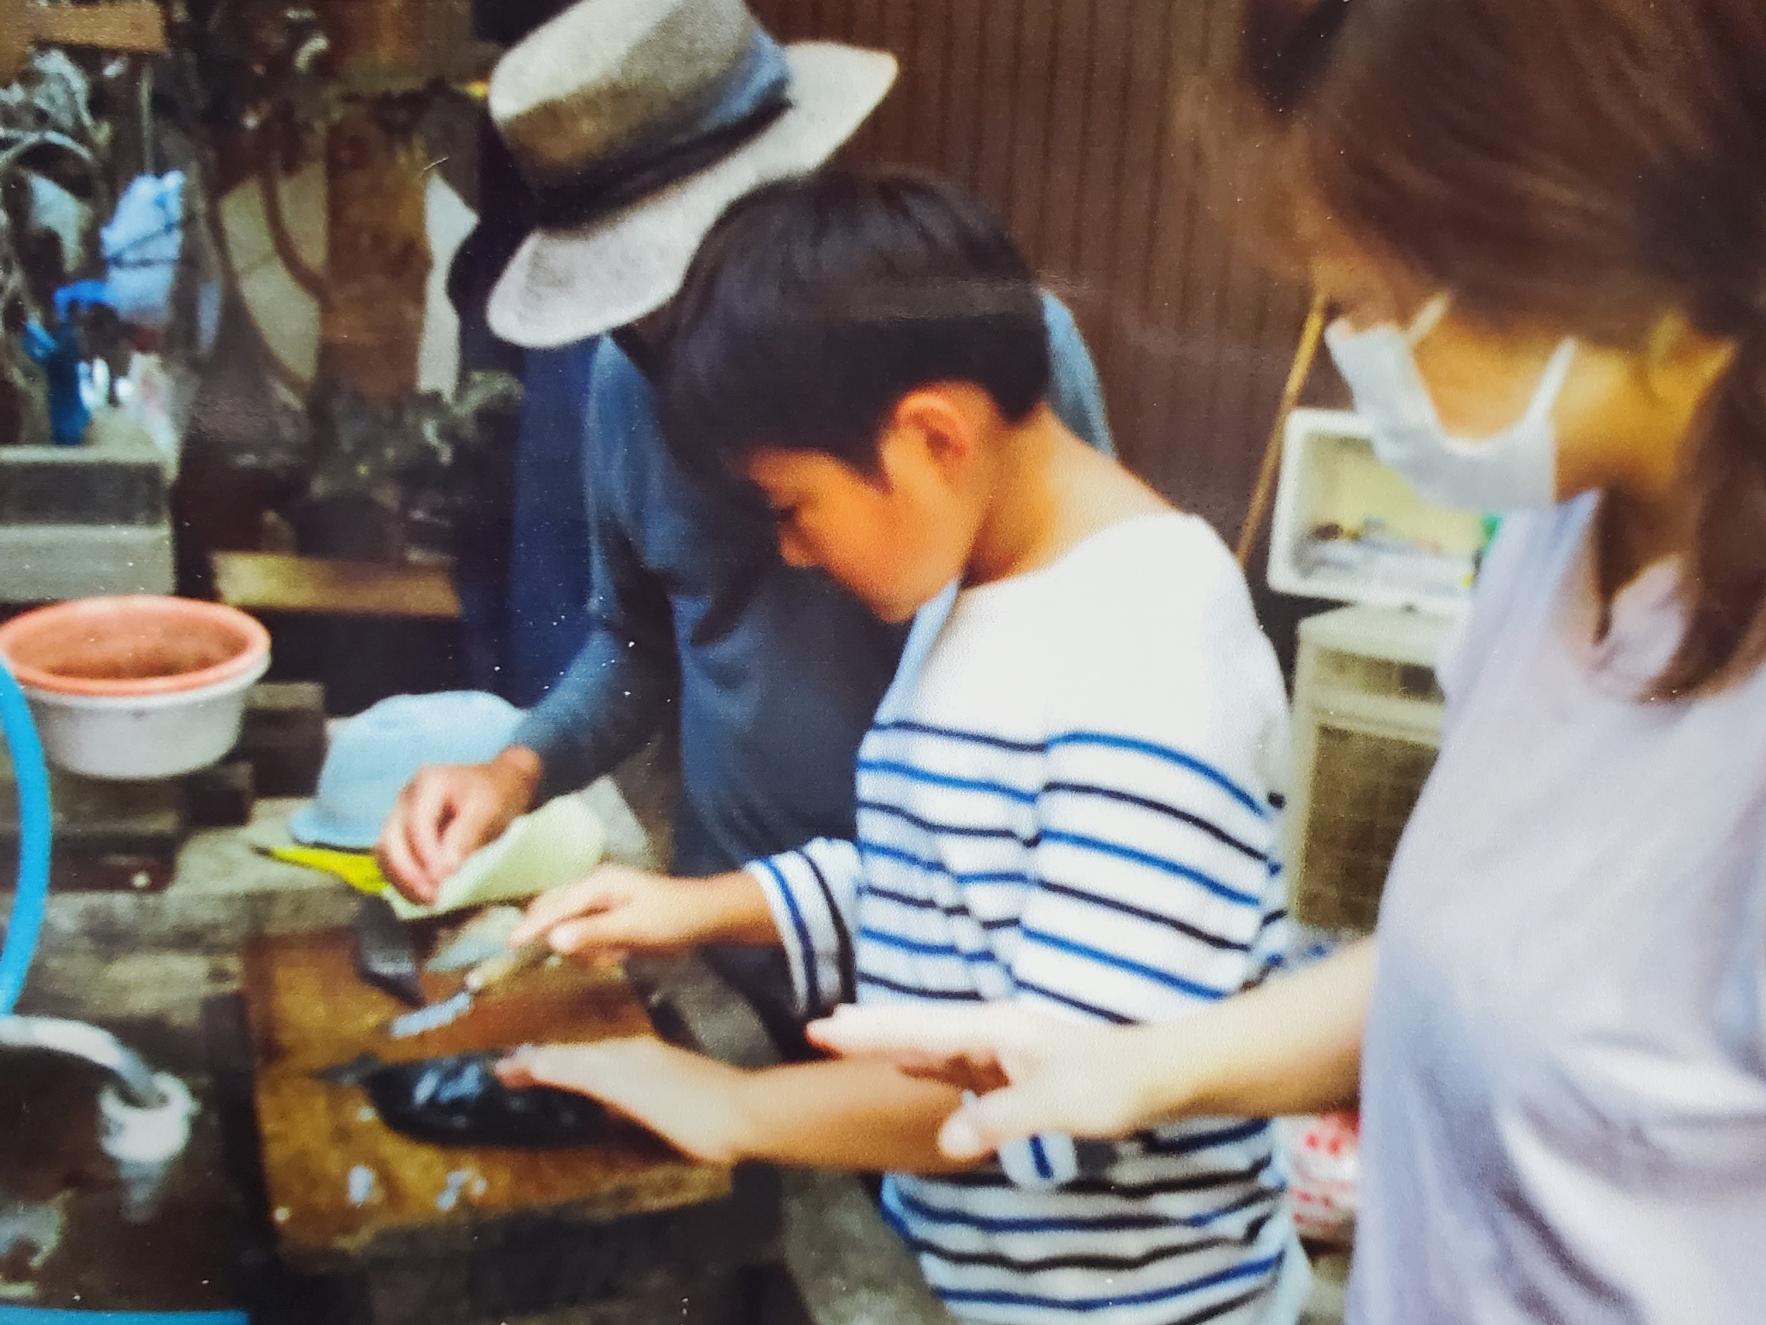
[1347, 528]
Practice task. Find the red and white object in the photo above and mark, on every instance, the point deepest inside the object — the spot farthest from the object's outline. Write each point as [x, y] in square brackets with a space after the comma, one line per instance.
[1324, 1161]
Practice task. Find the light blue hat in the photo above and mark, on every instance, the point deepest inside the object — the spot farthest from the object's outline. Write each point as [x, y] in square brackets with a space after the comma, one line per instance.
[374, 754]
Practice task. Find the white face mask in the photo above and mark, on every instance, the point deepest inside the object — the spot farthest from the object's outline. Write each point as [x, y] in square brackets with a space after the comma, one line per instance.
[1508, 470]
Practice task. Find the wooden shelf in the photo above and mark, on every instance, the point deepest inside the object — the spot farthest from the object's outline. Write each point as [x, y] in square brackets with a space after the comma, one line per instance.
[283, 582]
[124, 25]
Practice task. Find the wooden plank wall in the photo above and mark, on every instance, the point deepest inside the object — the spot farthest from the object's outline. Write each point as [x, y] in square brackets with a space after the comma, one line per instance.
[1064, 115]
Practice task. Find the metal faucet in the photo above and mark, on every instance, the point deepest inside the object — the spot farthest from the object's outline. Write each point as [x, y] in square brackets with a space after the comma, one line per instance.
[97, 1046]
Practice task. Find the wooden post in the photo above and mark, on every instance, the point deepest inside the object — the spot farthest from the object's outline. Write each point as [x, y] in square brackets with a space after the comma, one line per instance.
[383, 43]
[378, 258]
[378, 249]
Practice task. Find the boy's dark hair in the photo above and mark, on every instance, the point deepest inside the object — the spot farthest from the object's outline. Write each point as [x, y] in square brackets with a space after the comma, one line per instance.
[816, 303]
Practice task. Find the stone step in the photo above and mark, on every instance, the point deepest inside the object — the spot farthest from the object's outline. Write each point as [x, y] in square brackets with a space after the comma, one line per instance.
[82, 485]
[42, 563]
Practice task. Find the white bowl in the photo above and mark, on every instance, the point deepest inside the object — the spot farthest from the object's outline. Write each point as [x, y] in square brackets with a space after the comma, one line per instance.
[145, 736]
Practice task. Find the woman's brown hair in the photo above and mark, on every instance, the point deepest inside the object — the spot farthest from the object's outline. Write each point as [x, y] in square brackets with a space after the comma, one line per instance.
[1584, 165]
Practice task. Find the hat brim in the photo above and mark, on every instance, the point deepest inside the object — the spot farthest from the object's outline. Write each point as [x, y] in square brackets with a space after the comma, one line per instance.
[566, 285]
[310, 827]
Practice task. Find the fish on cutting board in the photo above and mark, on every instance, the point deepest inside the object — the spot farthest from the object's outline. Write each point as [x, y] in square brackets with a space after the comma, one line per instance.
[308, 1010]
[458, 1100]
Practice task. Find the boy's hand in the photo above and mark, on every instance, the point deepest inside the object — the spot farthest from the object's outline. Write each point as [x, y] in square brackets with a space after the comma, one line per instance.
[618, 910]
[1041, 1073]
[685, 1098]
[448, 811]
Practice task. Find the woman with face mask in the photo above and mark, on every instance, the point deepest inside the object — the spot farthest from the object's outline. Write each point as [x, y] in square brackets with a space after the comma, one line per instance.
[1543, 224]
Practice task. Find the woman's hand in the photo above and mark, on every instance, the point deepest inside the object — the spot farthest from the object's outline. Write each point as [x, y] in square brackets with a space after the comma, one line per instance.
[1292, 1045]
[1034, 1072]
[685, 1098]
[618, 910]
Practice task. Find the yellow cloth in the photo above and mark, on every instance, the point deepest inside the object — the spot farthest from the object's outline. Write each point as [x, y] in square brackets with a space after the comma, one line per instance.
[356, 868]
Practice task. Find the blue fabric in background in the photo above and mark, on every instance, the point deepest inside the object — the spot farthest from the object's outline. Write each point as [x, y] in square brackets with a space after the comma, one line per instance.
[548, 588]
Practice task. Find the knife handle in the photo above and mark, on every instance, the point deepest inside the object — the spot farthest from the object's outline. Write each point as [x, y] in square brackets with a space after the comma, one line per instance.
[494, 970]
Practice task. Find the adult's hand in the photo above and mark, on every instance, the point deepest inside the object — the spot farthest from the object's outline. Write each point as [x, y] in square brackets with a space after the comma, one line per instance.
[1291, 1045]
[1034, 1072]
[448, 811]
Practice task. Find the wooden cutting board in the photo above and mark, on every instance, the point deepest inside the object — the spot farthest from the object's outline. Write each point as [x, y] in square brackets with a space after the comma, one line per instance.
[309, 1010]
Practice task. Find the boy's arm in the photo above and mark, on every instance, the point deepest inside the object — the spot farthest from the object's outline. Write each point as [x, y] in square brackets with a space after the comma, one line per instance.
[798, 900]
[812, 896]
[617, 910]
[854, 1115]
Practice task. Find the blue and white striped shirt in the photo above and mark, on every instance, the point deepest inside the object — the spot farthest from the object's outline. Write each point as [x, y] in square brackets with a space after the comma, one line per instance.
[1066, 797]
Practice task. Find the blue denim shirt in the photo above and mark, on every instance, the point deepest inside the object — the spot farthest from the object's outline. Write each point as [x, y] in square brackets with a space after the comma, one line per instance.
[771, 673]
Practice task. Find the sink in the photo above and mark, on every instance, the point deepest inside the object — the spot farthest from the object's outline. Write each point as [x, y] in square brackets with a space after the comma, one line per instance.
[77, 1233]
[74, 1232]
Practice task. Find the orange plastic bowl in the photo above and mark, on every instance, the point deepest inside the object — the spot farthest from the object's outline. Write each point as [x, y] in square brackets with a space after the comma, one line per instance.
[137, 686]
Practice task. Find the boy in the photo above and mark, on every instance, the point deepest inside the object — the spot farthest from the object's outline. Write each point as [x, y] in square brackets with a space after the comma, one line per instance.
[768, 675]
[1065, 796]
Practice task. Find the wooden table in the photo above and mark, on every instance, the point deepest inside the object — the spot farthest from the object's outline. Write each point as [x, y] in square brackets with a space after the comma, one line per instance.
[308, 1010]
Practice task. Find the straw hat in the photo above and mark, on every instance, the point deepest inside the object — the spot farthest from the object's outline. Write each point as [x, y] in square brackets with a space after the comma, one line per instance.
[635, 123]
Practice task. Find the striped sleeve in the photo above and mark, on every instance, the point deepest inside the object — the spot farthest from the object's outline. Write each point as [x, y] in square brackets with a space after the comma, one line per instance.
[1285, 943]
[1155, 892]
[813, 892]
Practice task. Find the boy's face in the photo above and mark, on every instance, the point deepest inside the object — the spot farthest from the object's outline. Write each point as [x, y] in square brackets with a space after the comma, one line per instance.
[894, 538]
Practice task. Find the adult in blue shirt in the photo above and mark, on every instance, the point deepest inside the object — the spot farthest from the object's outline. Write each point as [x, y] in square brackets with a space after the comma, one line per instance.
[771, 674]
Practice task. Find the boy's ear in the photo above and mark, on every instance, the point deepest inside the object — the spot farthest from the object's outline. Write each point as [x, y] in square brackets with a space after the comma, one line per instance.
[939, 423]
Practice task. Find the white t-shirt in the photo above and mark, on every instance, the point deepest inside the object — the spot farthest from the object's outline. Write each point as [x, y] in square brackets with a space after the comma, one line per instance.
[1564, 1079]
[1065, 798]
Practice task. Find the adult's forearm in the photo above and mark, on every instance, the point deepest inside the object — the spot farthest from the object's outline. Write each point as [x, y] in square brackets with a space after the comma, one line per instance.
[524, 768]
[1291, 1046]
[602, 710]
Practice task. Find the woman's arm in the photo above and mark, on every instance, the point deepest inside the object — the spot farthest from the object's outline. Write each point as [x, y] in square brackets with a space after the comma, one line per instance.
[1292, 1045]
